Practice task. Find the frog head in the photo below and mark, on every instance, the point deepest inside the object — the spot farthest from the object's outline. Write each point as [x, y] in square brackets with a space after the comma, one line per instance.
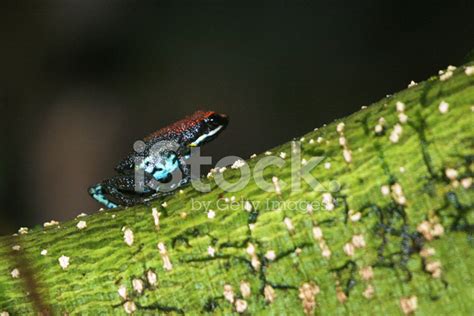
[209, 125]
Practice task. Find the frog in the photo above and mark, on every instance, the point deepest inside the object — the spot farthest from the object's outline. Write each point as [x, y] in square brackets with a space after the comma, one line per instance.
[156, 160]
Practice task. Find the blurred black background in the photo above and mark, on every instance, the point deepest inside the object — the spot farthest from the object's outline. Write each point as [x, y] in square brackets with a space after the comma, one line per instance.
[80, 81]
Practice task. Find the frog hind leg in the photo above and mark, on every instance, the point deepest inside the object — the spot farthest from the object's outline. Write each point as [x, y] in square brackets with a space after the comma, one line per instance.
[97, 193]
[186, 178]
[121, 188]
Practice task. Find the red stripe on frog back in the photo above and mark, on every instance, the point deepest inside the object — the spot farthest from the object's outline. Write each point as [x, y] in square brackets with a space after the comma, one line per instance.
[180, 126]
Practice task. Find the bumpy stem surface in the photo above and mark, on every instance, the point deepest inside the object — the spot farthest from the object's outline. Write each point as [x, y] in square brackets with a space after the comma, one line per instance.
[396, 238]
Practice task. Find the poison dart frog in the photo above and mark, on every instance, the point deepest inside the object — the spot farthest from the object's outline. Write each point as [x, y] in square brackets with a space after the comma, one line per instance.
[157, 159]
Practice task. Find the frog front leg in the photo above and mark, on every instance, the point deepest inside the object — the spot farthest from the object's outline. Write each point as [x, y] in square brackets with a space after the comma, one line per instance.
[185, 171]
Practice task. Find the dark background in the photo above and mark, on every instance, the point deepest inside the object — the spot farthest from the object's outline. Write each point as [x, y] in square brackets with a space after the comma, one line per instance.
[80, 81]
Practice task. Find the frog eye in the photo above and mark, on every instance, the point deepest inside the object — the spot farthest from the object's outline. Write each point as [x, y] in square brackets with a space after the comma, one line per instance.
[218, 120]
